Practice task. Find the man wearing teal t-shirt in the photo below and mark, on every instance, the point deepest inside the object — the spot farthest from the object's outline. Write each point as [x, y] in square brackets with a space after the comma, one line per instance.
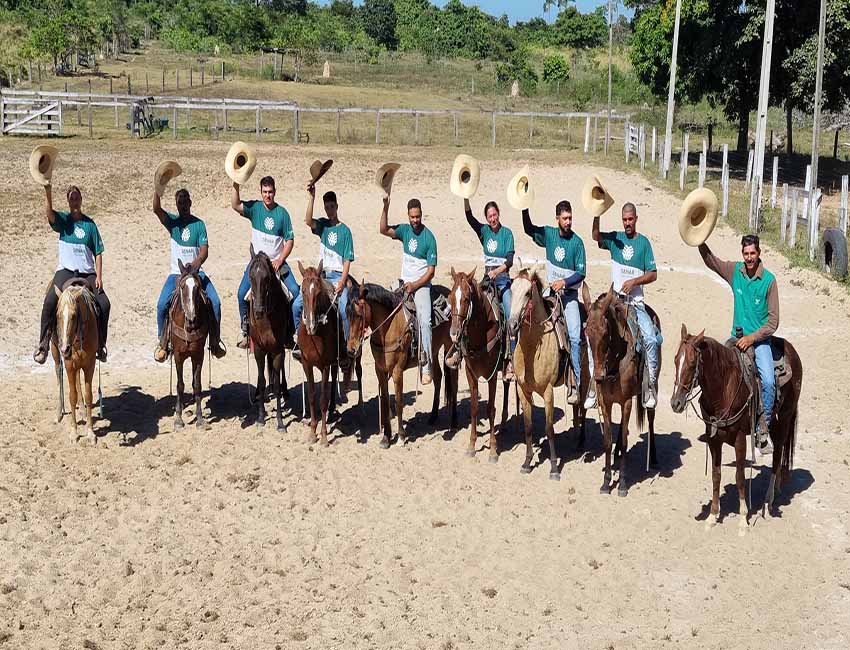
[419, 261]
[756, 314]
[632, 266]
[189, 244]
[271, 233]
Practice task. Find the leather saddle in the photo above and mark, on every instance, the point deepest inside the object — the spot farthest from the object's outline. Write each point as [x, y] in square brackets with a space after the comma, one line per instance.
[781, 369]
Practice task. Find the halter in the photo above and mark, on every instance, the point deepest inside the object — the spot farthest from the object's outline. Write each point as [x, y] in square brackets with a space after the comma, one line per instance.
[375, 329]
[609, 374]
[463, 337]
[323, 319]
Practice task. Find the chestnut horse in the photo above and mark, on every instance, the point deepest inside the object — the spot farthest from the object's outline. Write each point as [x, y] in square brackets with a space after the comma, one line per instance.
[618, 372]
[270, 328]
[476, 329]
[537, 365]
[371, 306]
[189, 325]
[727, 410]
[74, 345]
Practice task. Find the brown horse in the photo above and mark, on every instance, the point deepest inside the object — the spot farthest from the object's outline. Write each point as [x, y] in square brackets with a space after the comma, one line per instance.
[189, 326]
[74, 345]
[373, 307]
[727, 410]
[321, 343]
[537, 365]
[618, 372]
[477, 330]
[270, 327]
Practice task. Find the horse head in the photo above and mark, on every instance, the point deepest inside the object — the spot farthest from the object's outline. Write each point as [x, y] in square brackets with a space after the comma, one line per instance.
[314, 295]
[524, 287]
[359, 316]
[261, 274]
[463, 289]
[600, 329]
[189, 296]
[688, 357]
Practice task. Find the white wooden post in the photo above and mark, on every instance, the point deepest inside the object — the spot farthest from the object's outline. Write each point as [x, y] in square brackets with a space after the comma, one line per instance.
[377, 127]
[807, 194]
[683, 163]
[724, 211]
[661, 160]
[842, 210]
[784, 225]
[642, 147]
[749, 167]
[654, 145]
[493, 130]
[775, 179]
[702, 164]
[814, 222]
[595, 132]
[586, 134]
[795, 197]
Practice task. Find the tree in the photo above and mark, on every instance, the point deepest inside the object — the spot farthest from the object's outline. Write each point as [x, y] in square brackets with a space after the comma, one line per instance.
[379, 21]
[575, 29]
[555, 68]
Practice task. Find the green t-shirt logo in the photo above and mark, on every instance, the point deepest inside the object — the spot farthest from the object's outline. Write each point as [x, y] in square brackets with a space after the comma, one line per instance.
[332, 239]
[269, 223]
[411, 245]
[185, 234]
[560, 253]
[79, 233]
[628, 252]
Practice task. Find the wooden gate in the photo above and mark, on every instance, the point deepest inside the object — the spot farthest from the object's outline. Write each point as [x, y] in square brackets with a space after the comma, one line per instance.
[30, 115]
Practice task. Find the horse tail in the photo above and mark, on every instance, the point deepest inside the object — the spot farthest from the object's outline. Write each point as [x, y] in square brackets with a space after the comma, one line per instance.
[447, 381]
[641, 412]
[790, 443]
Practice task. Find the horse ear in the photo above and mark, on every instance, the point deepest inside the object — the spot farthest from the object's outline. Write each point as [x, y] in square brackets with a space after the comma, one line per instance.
[181, 266]
[609, 298]
[699, 340]
[319, 269]
[472, 272]
[684, 331]
[363, 290]
[585, 295]
[301, 269]
[454, 274]
[253, 254]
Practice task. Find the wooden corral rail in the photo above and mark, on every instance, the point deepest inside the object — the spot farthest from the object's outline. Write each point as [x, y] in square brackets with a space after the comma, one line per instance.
[30, 115]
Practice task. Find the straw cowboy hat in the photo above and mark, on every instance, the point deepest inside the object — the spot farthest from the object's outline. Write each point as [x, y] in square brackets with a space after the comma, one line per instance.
[698, 216]
[167, 170]
[466, 173]
[42, 160]
[595, 198]
[520, 192]
[240, 162]
[385, 175]
[319, 169]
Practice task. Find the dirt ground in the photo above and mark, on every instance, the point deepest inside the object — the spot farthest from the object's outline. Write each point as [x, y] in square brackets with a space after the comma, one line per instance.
[235, 538]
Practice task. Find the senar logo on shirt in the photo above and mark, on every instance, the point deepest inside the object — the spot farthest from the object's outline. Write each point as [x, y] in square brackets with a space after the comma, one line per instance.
[79, 233]
[411, 245]
[492, 245]
[332, 238]
[560, 253]
[269, 224]
[628, 252]
[185, 234]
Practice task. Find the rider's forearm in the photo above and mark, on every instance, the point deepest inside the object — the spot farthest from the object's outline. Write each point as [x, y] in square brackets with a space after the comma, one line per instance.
[48, 198]
[287, 249]
[98, 266]
[425, 279]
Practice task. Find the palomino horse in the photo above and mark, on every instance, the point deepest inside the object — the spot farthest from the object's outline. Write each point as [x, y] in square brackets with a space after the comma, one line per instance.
[476, 330]
[373, 307]
[189, 327]
[320, 340]
[74, 344]
[618, 374]
[727, 410]
[537, 365]
[270, 327]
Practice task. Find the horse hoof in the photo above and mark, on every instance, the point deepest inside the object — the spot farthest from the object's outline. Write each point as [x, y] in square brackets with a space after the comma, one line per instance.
[281, 428]
[469, 453]
[178, 424]
[554, 476]
[260, 426]
[385, 444]
[312, 439]
[525, 469]
[605, 489]
[622, 492]
[493, 459]
[325, 443]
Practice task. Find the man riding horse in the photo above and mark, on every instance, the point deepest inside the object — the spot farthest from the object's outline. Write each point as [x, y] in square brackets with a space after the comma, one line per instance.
[632, 266]
[271, 233]
[80, 256]
[189, 244]
[755, 318]
[565, 271]
[419, 261]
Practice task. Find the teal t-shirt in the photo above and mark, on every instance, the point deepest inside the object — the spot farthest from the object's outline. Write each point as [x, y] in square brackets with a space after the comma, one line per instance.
[497, 245]
[79, 242]
[269, 228]
[564, 255]
[630, 258]
[420, 251]
[187, 237]
[337, 244]
[750, 296]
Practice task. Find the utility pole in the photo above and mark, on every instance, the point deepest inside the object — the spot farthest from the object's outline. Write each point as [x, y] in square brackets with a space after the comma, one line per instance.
[816, 124]
[610, 63]
[761, 119]
[668, 131]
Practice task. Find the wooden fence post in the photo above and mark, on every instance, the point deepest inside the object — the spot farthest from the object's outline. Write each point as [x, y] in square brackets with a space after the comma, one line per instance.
[783, 227]
[222, 70]
[530, 129]
[595, 132]
[163, 80]
[147, 84]
[174, 124]
[416, 128]
[775, 179]
[683, 163]
[226, 126]
[749, 167]
[842, 209]
[191, 83]
[587, 135]
[338, 120]
[296, 125]
[177, 78]
[493, 130]
[654, 145]
[110, 85]
[794, 199]
[457, 132]
[203, 68]
[257, 126]
[378, 126]
[91, 135]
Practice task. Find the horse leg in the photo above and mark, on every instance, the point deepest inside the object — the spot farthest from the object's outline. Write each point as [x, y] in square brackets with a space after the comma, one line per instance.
[526, 427]
[491, 414]
[358, 368]
[88, 374]
[277, 383]
[437, 377]
[622, 483]
[549, 402]
[327, 387]
[716, 449]
[653, 457]
[261, 388]
[452, 377]
[331, 410]
[197, 368]
[506, 385]
[310, 396]
[384, 407]
[178, 406]
[473, 411]
[398, 382]
[60, 381]
[71, 374]
[606, 444]
[740, 459]
[579, 415]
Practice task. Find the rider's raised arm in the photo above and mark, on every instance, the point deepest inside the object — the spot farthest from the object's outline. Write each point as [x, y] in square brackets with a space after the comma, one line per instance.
[470, 218]
[236, 200]
[724, 269]
[308, 215]
[537, 233]
[157, 209]
[595, 229]
[383, 227]
[48, 201]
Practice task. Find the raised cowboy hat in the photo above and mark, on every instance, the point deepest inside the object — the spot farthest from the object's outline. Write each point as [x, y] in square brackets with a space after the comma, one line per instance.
[520, 192]
[318, 169]
[384, 176]
[42, 160]
[595, 198]
[466, 173]
[698, 216]
[240, 162]
[167, 170]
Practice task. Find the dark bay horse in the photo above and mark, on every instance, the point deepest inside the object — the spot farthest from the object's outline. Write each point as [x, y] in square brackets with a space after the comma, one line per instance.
[618, 372]
[372, 307]
[189, 326]
[476, 329]
[320, 340]
[725, 401]
[270, 327]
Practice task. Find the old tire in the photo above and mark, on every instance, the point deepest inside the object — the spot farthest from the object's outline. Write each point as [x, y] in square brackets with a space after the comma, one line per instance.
[833, 253]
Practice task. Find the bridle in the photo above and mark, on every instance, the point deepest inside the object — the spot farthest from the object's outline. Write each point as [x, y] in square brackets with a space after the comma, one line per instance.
[334, 300]
[366, 317]
[606, 335]
[463, 337]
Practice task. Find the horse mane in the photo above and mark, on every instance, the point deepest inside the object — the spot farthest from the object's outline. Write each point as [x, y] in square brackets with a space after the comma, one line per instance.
[378, 294]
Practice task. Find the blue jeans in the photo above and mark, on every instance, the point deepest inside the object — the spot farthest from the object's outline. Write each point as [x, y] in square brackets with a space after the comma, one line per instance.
[288, 279]
[764, 365]
[572, 314]
[168, 289]
[502, 284]
[649, 338]
[298, 305]
[422, 299]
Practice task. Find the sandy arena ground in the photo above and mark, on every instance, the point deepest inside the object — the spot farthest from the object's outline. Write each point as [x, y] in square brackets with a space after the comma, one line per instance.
[237, 539]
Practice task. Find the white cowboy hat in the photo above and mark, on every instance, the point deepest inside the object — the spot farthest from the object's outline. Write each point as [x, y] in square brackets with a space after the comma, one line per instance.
[466, 173]
[167, 170]
[240, 162]
[595, 198]
[698, 216]
[520, 192]
[385, 175]
[42, 161]
[319, 169]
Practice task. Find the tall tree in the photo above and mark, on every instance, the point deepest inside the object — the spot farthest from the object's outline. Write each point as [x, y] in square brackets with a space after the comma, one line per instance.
[379, 21]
